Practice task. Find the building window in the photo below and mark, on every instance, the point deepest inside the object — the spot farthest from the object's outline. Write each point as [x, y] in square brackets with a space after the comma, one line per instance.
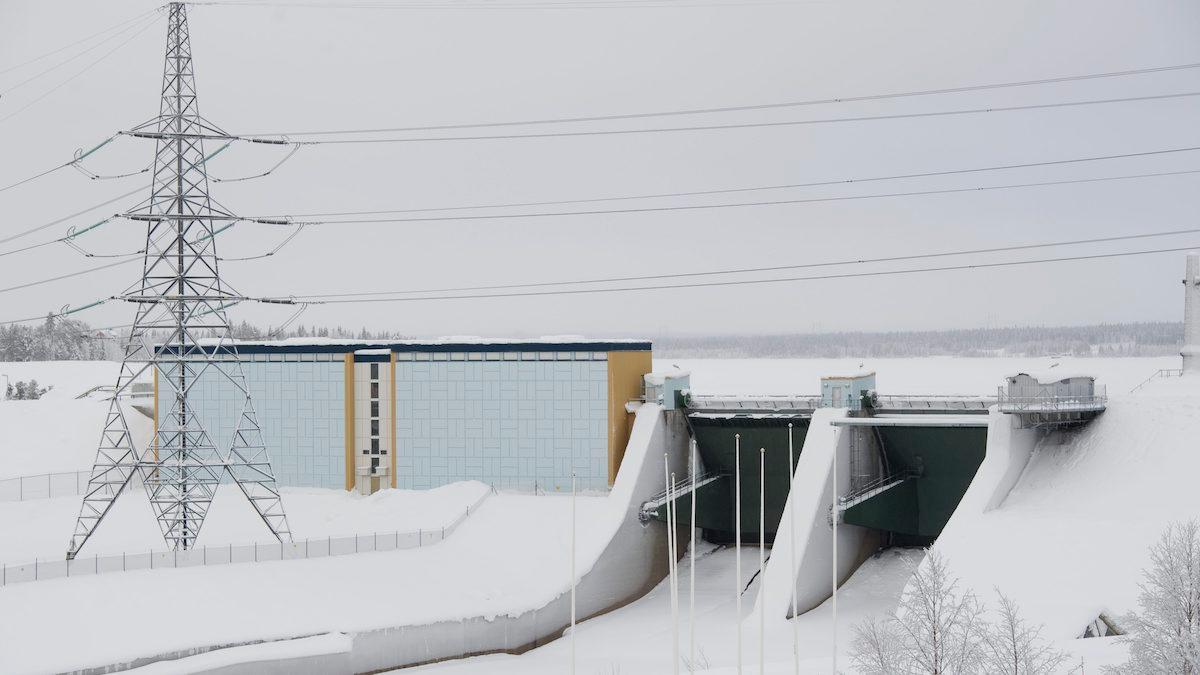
[375, 408]
[375, 391]
[374, 371]
[375, 427]
[374, 446]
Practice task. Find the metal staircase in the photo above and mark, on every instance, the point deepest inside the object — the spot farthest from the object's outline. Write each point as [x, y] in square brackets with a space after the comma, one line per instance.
[872, 489]
[682, 487]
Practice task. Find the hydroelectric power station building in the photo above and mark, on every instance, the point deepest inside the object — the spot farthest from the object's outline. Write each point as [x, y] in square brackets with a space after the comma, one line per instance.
[366, 415]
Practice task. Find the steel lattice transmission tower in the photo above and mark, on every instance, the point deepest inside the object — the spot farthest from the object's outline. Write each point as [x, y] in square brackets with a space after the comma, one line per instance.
[180, 295]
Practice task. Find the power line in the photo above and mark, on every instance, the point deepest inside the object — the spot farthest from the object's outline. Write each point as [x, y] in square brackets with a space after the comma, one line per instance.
[777, 202]
[587, 4]
[329, 299]
[74, 162]
[67, 311]
[59, 221]
[86, 68]
[743, 282]
[78, 42]
[777, 268]
[821, 183]
[753, 107]
[759, 125]
[68, 275]
[60, 64]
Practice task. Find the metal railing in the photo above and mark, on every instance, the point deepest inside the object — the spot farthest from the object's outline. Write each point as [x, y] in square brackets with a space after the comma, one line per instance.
[317, 547]
[1051, 401]
[1159, 374]
[877, 486]
[682, 487]
[44, 486]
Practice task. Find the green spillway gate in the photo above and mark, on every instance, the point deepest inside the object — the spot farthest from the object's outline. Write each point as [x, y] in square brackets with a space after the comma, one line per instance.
[715, 502]
[941, 460]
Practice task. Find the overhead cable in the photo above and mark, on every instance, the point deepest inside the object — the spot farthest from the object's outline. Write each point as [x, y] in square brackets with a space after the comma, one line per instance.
[784, 186]
[60, 64]
[778, 268]
[753, 125]
[746, 282]
[751, 107]
[80, 41]
[85, 69]
[776, 202]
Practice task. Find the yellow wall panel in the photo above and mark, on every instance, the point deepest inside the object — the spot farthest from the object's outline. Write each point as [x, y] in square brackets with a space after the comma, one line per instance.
[625, 373]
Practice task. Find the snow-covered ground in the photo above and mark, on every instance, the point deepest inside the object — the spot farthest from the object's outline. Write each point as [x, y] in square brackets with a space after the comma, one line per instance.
[41, 528]
[58, 433]
[1071, 538]
[68, 378]
[510, 556]
[1109, 491]
[936, 375]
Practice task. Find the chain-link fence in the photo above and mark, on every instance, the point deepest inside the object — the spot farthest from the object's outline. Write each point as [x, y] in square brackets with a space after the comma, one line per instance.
[317, 547]
[44, 486]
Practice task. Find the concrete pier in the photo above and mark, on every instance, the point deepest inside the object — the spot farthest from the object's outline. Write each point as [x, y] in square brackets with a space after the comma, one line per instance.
[1191, 316]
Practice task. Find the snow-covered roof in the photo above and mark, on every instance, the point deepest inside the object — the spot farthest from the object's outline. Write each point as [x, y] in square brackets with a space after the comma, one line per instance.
[1052, 376]
[453, 343]
[659, 378]
[855, 376]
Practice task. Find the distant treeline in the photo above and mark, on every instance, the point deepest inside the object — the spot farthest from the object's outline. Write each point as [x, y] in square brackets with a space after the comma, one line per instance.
[53, 340]
[67, 340]
[1125, 339]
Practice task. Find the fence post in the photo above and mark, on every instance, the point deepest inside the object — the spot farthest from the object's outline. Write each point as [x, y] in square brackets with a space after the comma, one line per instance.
[21, 489]
[204, 555]
[97, 569]
[256, 551]
[48, 493]
[151, 558]
[375, 541]
[35, 569]
[397, 534]
[123, 568]
[329, 545]
[420, 537]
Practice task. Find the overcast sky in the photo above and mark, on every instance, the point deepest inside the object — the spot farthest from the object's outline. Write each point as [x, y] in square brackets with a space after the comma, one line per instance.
[274, 69]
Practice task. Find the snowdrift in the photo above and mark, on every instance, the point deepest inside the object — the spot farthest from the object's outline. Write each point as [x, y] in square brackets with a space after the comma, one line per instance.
[1070, 538]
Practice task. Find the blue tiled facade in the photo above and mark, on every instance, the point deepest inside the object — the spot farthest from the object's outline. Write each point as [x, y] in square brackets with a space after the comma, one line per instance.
[492, 412]
[301, 408]
[520, 425]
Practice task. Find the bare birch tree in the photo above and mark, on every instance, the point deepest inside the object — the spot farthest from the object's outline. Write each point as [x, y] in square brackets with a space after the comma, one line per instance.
[1164, 635]
[937, 629]
[1014, 647]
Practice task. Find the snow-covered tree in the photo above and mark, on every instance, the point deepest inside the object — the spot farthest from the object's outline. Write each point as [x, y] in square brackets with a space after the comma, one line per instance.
[1014, 647]
[877, 649]
[1164, 634]
[937, 629]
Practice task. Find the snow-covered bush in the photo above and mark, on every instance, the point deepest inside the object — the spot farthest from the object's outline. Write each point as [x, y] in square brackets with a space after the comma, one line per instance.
[1164, 635]
[25, 391]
